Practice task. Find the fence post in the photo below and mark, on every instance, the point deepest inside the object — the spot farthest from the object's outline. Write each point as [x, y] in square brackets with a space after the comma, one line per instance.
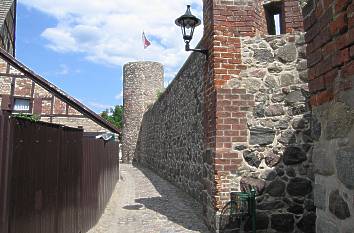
[5, 168]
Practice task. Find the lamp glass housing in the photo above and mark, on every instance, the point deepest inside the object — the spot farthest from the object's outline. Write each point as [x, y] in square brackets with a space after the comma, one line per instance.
[187, 22]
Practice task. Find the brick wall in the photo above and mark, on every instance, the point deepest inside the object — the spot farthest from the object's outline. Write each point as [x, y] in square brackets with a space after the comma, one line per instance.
[50, 108]
[292, 16]
[330, 36]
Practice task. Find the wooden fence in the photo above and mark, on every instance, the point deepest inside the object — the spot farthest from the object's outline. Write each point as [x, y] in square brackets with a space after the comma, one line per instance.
[52, 179]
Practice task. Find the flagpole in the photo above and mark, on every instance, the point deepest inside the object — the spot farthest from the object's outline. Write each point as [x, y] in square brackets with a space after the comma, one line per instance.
[143, 48]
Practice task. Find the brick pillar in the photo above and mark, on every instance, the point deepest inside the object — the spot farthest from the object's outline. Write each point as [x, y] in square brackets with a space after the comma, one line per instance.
[225, 105]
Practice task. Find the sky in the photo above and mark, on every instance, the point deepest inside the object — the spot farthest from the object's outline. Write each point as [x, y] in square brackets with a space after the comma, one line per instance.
[81, 46]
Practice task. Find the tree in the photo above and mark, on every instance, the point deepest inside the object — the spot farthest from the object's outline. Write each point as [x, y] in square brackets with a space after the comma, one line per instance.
[115, 116]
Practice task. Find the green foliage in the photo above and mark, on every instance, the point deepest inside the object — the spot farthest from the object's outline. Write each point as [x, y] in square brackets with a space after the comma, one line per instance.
[29, 117]
[159, 94]
[114, 115]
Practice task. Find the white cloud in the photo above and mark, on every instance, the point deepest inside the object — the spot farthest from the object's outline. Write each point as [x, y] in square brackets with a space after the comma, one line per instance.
[60, 40]
[109, 31]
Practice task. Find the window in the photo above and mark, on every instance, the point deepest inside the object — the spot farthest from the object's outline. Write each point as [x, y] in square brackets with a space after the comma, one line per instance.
[274, 17]
[22, 105]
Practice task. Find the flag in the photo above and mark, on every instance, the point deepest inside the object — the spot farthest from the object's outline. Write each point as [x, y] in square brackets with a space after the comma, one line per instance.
[146, 42]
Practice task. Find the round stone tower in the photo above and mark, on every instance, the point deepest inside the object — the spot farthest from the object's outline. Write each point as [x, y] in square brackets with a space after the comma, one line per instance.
[142, 82]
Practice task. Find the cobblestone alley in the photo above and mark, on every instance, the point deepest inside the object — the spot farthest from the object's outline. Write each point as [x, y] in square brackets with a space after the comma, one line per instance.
[144, 202]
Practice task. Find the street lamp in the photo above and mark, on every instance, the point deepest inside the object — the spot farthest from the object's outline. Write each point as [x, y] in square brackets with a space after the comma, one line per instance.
[188, 22]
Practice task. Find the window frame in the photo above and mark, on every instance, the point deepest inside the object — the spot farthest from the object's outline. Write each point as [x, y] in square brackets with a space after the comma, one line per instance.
[30, 100]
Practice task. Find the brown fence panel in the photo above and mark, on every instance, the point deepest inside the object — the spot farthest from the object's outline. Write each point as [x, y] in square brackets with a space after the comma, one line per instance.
[108, 172]
[89, 186]
[34, 190]
[5, 164]
[99, 176]
[69, 180]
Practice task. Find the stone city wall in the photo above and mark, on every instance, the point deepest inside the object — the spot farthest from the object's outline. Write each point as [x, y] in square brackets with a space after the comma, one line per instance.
[171, 135]
[330, 37]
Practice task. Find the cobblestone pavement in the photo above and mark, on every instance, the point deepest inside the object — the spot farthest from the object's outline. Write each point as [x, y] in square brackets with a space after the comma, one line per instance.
[144, 202]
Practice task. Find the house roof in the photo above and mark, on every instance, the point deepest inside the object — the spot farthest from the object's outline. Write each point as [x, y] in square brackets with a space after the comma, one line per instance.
[57, 92]
[5, 6]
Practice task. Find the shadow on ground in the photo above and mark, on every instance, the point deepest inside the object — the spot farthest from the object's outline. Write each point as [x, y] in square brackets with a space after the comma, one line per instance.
[177, 206]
